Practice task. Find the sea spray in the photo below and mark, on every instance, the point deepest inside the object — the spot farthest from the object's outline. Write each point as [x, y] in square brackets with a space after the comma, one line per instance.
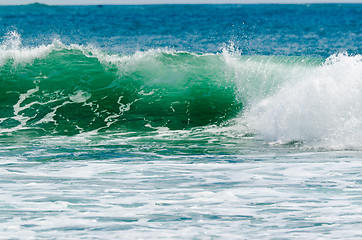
[321, 107]
[12, 51]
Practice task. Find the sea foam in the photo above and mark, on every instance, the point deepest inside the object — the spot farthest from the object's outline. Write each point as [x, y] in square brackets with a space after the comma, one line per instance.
[322, 107]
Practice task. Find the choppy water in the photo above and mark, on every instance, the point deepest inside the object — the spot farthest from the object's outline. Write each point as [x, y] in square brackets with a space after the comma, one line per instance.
[181, 121]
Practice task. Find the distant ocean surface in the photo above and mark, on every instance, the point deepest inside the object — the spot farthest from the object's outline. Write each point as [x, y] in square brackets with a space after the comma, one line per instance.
[181, 122]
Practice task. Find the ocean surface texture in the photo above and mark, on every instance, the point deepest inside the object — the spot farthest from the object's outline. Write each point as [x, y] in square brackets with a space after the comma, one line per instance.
[181, 122]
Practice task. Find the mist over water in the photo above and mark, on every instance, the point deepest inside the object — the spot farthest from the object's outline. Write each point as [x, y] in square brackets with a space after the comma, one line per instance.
[207, 121]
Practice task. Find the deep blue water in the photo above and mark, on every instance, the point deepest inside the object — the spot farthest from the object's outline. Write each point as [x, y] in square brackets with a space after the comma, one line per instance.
[181, 122]
[313, 30]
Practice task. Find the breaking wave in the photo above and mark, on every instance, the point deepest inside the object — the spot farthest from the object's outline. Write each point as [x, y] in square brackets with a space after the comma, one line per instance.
[69, 89]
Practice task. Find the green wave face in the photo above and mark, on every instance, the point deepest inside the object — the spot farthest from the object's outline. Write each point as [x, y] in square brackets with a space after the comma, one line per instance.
[60, 89]
[70, 91]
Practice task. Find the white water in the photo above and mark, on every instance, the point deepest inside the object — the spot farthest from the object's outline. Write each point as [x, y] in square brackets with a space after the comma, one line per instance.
[11, 48]
[322, 107]
[50, 191]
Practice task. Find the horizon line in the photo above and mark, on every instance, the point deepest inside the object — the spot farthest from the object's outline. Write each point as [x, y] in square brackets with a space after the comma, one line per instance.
[140, 4]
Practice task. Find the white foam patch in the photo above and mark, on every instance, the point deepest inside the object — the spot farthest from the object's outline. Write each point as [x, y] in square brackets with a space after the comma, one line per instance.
[80, 97]
[322, 108]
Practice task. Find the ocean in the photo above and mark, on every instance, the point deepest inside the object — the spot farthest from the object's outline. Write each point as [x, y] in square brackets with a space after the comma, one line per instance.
[181, 122]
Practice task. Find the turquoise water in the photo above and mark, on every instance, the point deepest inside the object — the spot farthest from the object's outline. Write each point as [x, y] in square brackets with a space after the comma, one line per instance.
[181, 122]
